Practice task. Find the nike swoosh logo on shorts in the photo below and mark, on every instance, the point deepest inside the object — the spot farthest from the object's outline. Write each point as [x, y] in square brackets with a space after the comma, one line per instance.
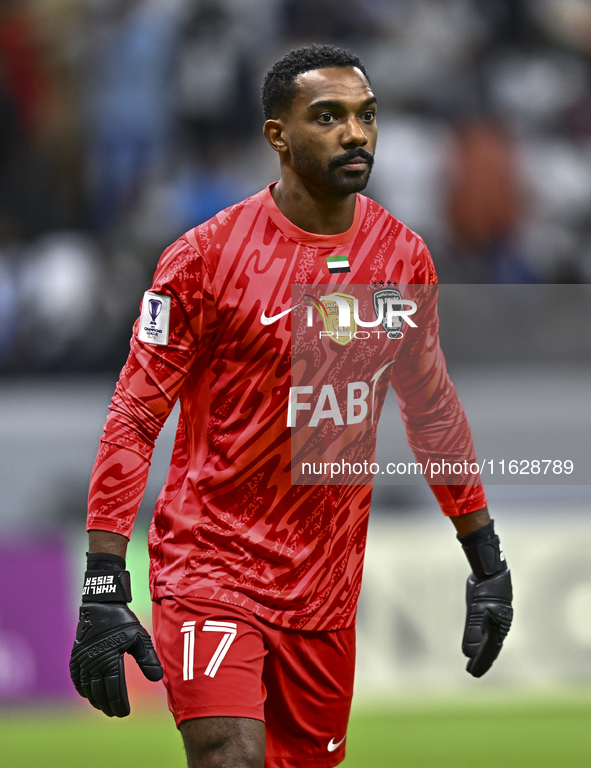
[332, 745]
[268, 320]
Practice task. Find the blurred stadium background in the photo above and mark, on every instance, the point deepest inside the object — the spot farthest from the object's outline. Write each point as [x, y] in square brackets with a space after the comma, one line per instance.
[125, 122]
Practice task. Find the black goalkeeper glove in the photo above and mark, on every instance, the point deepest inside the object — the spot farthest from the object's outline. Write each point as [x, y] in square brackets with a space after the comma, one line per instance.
[488, 599]
[107, 629]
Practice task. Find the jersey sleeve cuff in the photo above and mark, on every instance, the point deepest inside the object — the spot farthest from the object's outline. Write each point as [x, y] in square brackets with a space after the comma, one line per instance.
[122, 527]
[456, 500]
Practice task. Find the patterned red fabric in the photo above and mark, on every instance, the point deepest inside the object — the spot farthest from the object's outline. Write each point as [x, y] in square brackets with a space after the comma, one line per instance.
[229, 524]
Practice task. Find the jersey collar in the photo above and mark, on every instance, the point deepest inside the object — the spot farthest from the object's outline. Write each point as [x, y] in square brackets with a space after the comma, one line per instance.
[290, 230]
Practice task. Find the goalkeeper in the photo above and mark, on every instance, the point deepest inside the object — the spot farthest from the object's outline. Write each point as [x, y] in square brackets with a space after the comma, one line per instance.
[255, 580]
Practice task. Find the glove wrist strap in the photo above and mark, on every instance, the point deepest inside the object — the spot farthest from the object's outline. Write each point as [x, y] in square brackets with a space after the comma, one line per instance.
[483, 551]
[106, 580]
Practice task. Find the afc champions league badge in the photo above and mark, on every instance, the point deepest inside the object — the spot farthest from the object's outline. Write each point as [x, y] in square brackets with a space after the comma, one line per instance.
[383, 300]
[155, 318]
[155, 306]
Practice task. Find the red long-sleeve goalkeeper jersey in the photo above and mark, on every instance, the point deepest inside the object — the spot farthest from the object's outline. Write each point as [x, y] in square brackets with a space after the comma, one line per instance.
[231, 523]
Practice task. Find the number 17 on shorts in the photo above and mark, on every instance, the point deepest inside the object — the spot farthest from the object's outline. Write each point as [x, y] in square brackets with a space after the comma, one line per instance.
[227, 628]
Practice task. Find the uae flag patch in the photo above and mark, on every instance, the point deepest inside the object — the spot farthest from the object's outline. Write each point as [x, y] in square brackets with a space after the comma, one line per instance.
[337, 264]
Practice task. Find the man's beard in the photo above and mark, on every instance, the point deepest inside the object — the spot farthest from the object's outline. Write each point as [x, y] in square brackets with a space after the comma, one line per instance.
[326, 178]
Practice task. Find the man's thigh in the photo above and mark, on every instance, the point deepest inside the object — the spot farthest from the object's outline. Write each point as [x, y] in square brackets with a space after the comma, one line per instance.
[212, 742]
[221, 664]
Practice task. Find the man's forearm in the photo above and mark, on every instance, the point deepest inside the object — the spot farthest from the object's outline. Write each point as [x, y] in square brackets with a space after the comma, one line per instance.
[466, 524]
[106, 542]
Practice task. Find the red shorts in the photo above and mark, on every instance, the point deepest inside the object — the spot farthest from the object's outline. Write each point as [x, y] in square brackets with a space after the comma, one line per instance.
[221, 660]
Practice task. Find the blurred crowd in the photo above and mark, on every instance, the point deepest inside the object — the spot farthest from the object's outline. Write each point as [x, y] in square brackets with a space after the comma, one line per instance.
[124, 123]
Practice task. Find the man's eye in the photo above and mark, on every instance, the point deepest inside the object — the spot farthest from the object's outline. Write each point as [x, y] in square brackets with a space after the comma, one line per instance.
[369, 116]
[326, 117]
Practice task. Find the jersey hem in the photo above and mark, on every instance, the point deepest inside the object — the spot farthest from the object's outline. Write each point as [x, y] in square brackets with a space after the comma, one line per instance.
[275, 617]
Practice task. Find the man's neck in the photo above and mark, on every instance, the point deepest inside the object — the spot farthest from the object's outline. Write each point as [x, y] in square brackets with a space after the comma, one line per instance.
[321, 214]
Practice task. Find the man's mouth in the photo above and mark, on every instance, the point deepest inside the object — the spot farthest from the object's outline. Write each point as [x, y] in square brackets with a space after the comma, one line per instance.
[356, 162]
[355, 165]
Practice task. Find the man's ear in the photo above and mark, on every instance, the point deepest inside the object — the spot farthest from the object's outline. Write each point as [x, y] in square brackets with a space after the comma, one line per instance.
[273, 131]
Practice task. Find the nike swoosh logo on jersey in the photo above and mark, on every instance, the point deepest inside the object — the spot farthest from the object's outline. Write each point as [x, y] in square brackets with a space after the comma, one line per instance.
[268, 320]
[332, 745]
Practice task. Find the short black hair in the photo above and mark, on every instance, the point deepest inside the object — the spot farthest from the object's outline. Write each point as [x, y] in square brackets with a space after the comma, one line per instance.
[278, 89]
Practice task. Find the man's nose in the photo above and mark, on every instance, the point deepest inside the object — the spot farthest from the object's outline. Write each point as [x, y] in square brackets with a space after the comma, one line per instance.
[353, 134]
